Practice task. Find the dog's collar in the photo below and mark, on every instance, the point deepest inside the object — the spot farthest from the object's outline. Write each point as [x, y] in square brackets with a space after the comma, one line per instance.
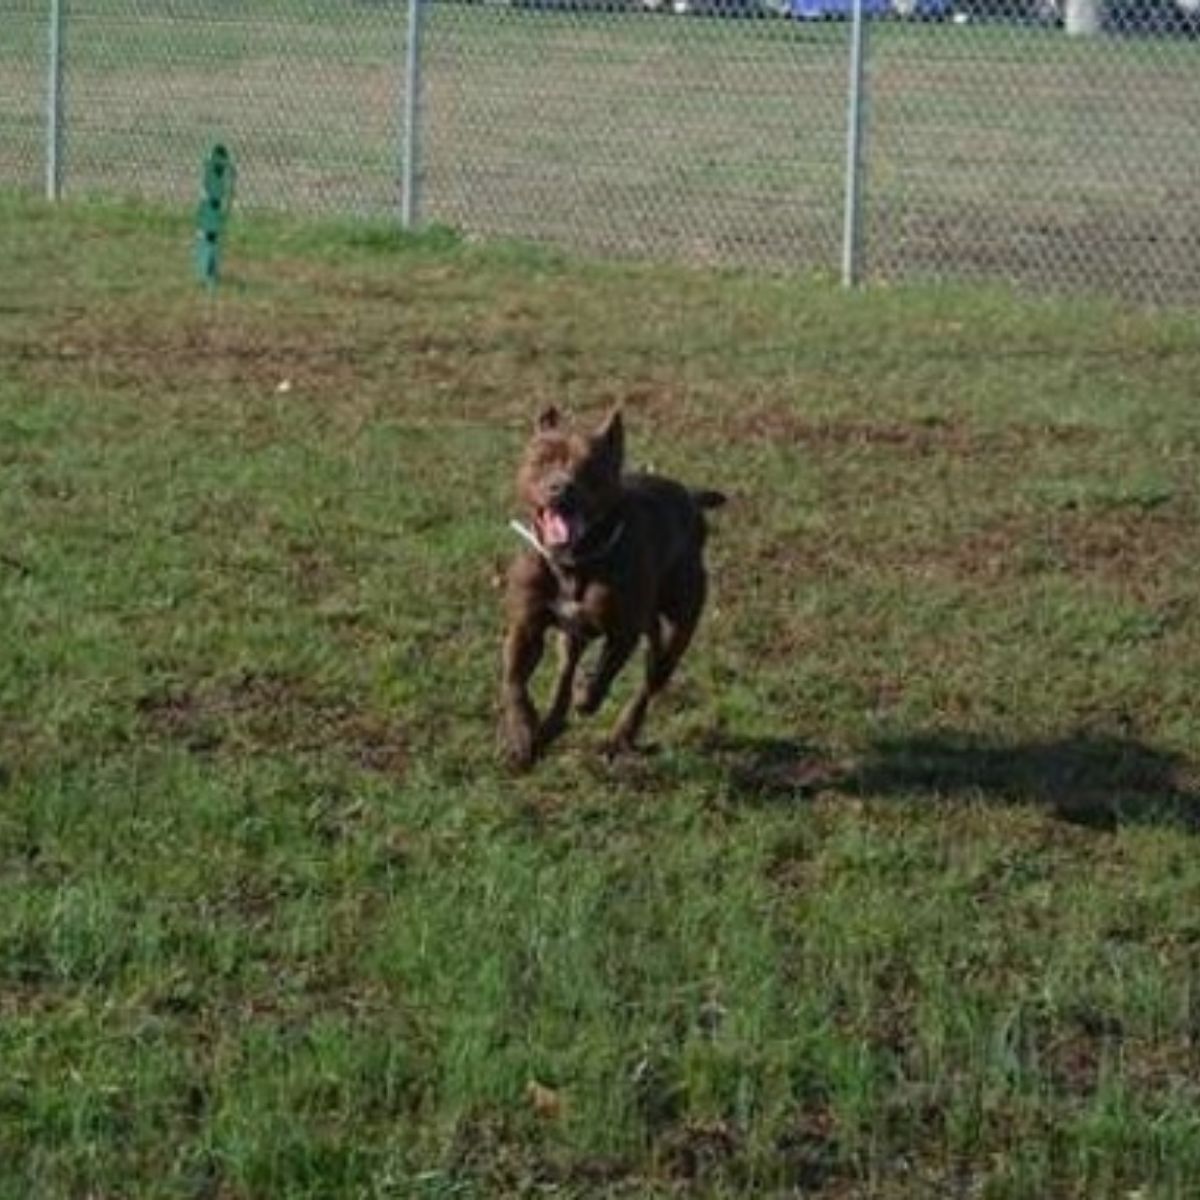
[576, 559]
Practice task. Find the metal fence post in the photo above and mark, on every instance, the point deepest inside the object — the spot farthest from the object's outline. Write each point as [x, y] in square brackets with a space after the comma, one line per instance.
[852, 216]
[54, 103]
[410, 161]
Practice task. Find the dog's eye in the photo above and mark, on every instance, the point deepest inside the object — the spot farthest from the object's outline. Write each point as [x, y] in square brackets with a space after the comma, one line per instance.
[599, 471]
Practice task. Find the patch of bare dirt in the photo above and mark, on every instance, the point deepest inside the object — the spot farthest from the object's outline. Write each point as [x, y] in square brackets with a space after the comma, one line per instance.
[165, 355]
[265, 713]
[1141, 550]
[784, 424]
[669, 409]
[700, 1149]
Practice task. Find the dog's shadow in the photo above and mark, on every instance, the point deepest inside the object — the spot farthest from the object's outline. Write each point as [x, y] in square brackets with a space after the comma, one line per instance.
[1099, 780]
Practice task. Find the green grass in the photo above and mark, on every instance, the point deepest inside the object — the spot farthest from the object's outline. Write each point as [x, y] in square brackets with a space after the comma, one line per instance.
[906, 903]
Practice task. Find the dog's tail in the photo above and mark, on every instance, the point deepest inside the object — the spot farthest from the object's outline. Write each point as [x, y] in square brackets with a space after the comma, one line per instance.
[706, 498]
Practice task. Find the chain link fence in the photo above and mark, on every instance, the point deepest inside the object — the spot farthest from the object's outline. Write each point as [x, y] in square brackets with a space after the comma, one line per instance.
[1021, 152]
[1046, 143]
[22, 92]
[709, 140]
[305, 94]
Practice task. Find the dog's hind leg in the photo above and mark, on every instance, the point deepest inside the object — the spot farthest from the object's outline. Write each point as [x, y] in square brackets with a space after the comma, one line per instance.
[629, 723]
[665, 646]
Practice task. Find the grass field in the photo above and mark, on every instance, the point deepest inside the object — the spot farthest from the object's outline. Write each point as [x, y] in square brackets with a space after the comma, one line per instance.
[996, 152]
[906, 904]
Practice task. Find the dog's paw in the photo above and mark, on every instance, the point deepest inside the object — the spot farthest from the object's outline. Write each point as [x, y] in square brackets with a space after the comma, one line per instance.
[617, 747]
[517, 758]
[518, 746]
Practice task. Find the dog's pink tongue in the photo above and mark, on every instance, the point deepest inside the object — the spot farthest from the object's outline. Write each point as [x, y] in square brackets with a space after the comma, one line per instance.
[555, 529]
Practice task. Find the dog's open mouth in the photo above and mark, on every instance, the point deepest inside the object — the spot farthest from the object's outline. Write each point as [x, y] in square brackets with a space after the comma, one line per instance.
[557, 529]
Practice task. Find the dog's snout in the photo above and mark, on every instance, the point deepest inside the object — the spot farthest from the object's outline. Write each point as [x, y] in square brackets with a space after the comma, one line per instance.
[561, 492]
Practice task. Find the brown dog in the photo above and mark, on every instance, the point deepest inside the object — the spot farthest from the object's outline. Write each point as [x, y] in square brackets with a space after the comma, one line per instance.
[615, 556]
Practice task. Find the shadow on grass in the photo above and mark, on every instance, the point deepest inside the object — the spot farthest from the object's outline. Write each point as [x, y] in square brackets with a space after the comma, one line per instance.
[1098, 780]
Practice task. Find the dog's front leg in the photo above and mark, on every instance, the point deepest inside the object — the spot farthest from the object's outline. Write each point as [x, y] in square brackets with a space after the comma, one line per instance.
[530, 591]
[523, 647]
[614, 654]
[570, 650]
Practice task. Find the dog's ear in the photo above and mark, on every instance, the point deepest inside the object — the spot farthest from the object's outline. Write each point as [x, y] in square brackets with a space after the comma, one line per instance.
[548, 419]
[610, 440]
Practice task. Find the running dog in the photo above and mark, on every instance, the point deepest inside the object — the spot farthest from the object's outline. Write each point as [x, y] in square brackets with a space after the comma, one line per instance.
[613, 556]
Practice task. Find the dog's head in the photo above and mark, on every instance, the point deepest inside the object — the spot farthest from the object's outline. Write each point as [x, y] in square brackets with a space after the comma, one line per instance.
[570, 482]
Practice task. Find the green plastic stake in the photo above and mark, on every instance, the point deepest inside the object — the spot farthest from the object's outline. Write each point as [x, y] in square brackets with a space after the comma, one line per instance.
[213, 213]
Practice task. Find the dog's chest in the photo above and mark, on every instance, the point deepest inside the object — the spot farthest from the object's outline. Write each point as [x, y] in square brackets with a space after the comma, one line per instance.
[581, 608]
[569, 617]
